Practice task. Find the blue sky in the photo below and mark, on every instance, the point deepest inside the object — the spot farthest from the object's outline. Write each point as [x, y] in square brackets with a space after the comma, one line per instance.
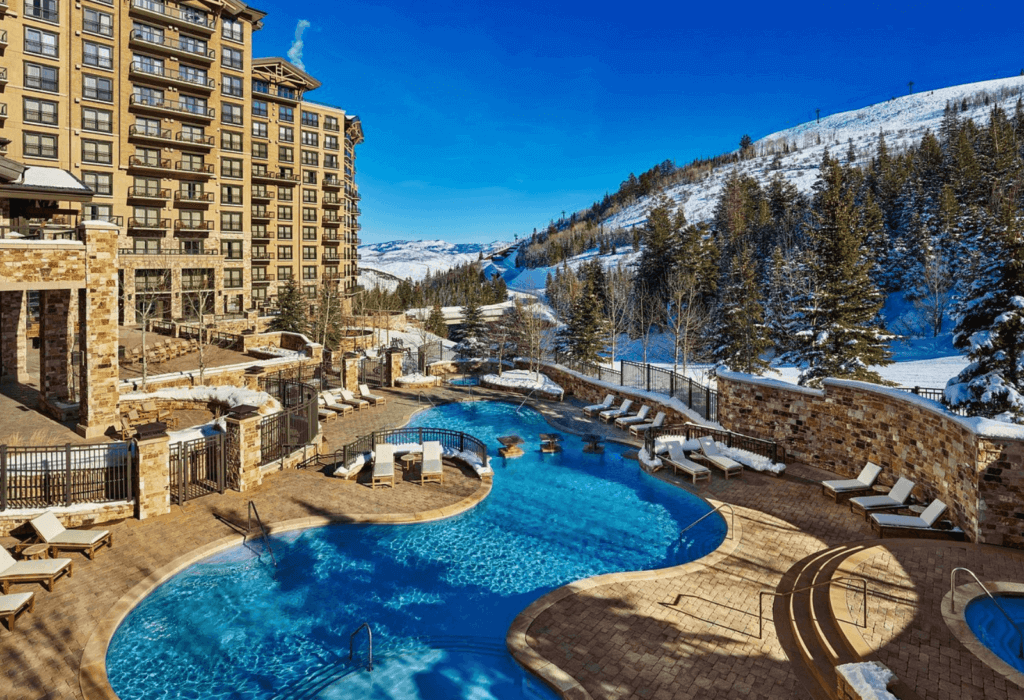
[484, 120]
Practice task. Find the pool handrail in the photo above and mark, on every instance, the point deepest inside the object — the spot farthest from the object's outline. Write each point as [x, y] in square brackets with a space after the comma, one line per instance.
[952, 603]
[351, 642]
[732, 517]
[263, 530]
[761, 594]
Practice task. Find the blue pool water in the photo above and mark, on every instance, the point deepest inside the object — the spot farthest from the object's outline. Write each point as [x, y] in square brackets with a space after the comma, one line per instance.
[994, 630]
[439, 596]
[465, 381]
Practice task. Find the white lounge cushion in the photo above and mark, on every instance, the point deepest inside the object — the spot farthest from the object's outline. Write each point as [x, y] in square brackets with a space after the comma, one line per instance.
[79, 537]
[622, 410]
[679, 458]
[710, 450]
[875, 502]
[925, 521]
[36, 567]
[384, 460]
[659, 420]
[431, 458]
[604, 404]
[12, 601]
[638, 418]
[47, 526]
[864, 480]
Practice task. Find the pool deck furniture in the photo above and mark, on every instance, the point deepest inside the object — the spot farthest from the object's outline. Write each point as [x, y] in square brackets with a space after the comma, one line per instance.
[45, 571]
[638, 430]
[510, 446]
[894, 500]
[845, 488]
[15, 604]
[323, 412]
[709, 453]
[549, 443]
[383, 466]
[593, 445]
[409, 459]
[924, 525]
[332, 402]
[677, 459]
[622, 410]
[34, 551]
[431, 469]
[593, 410]
[58, 538]
[639, 417]
[364, 393]
[350, 398]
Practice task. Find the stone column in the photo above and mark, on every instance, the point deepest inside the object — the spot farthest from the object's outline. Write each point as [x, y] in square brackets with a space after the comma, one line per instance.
[244, 432]
[350, 372]
[98, 334]
[393, 368]
[54, 345]
[153, 477]
[13, 336]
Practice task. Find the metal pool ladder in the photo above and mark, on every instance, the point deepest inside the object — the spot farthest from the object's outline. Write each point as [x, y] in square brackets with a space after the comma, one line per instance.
[952, 604]
[263, 530]
[732, 518]
[369, 637]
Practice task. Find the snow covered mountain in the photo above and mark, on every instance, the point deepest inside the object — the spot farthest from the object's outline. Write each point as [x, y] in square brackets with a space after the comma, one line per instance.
[414, 259]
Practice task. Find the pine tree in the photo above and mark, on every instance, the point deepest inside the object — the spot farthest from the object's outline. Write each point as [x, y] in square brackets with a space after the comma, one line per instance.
[291, 304]
[473, 332]
[435, 322]
[584, 337]
[742, 334]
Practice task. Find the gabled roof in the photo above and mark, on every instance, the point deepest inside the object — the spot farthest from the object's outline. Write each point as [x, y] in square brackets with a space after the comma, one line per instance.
[282, 71]
[240, 9]
[36, 182]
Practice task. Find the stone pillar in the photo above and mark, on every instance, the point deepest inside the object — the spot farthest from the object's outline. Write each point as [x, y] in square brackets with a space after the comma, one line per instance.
[98, 334]
[54, 344]
[153, 478]
[252, 318]
[393, 368]
[13, 336]
[244, 432]
[350, 372]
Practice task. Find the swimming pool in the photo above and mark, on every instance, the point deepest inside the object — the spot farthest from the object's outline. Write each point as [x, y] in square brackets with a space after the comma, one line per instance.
[439, 596]
[465, 381]
[993, 630]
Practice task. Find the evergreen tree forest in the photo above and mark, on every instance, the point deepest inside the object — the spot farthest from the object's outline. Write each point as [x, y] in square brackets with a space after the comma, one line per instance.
[454, 287]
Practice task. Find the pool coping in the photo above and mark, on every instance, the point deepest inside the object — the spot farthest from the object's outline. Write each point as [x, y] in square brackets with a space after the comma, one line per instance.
[957, 623]
[92, 674]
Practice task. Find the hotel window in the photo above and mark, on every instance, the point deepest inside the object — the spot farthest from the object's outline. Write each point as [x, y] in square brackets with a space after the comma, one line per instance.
[231, 221]
[309, 233]
[331, 123]
[331, 143]
[147, 96]
[100, 183]
[284, 252]
[42, 77]
[193, 163]
[284, 213]
[195, 105]
[310, 158]
[232, 279]
[146, 186]
[43, 43]
[231, 141]
[310, 138]
[146, 156]
[230, 194]
[309, 271]
[99, 22]
[194, 134]
[260, 231]
[259, 130]
[193, 75]
[153, 35]
[96, 88]
[260, 150]
[309, 196]
[330, 271]
[308, 177]
[259, 293]
[330, 161]
[309, 213]
[146, 245]
[191, 220]
[284, 233]
[40, 111]
[98, 55]
[261, 86]
[284, 274]
[285, 114]
[232, 29]
[286, 134]
[231, 114]
[45, 10]
[97, 212]
[230, 167]
[148, 64]
[97, 152]
[259, 109]
[309, 252]
[284, 194]
[311, 119]
[232, 250]
[193, 45]
[286, 154]
[231, 58]
[40, 145]
[147, 216]
[231, 85]
[309, 290]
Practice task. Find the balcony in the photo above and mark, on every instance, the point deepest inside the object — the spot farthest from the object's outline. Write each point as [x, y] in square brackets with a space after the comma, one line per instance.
[263, 194]
[332, 201]
[262, 213]
[260, 174]
[148, 224]
[188, 168]
[282, 93]
[261, 235]
[332, 183]
[175, 47]
[148, 193]
[186, 197]
[183, 17]
[262, 256]
[140, 163]
[192, 226]
[149, 134]
[184, 109]
[187, 140]
[330, 220]
[3, 39]
[331, 257]
[168, 251]
[330, 236]
[141, 71]
[260, 280]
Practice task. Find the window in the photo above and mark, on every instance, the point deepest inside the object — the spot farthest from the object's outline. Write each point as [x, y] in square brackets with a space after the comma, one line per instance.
[231, 58]
[190, 74]
[148, 64]
[284, 233]
[309, 233]
[331, 123]
[231, 141]
[191, 220]
[100, 23]
[286, 154]
[259, 109]
[230, 194]
[284, 213]
[259, 293]
[285, 114]
[146, 245]
[291, 94]
[284, 274]
[309, 290]
[40, 111]
[98, 55]
[147, 156]
[311, 119]
[231, 221]
[259, 130]
[309, 196]
[193, 134]
[147, 216]
[98, 152]
[308, 177]
[310, 158]
[261, 86]
[330, 271]
[231, 85]
[260, 231]
[195, 105]
[260, 150]
[147, 96]
[43, 43]
[232, 250]
[232, 279]
[309, 252]
[310, 138]
[41, 77]
[192, 163]
[145, 32]
[192, 45]
[331, 143]
[330, 161]
[40, 145]
[309, 271]
[259, 252]
[230, 167]
[309, 213]
[97, 88]
[284, 194]
[146, 187]
[232, 29]
[196, 279]
[97, 212]
[284, 252]
[231, 114]
[286, 134]
[100, 183]
[192, 192]
[45, 10]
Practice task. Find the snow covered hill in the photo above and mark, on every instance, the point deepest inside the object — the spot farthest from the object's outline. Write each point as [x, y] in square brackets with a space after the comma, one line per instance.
[414, 259]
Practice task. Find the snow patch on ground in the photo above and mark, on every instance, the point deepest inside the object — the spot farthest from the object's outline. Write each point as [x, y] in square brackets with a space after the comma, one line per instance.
[868, 680]
[756, 462]
[199, 431]
[230, 396]
[525, 381]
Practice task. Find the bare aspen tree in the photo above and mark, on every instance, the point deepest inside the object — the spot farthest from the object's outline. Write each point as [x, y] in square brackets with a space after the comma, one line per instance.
[195, 305]
[933, 295]
[685, 314]
[149, 307]
[619, 292]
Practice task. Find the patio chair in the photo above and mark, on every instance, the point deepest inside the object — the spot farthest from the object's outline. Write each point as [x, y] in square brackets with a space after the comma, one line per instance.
[431, 469]
[350, 398]
[125, 431]
[323, 412]
[894, 500]
[44, 571]
[14, 604]
[592, 411]
[51, 532]
[383, 466]
[913, 524]
[329, 401]
[159, 414]
[638, 430]
[677, 459]
[713, 456]
[848, 487]
[622, 410]
[364, 393]
[627, 421]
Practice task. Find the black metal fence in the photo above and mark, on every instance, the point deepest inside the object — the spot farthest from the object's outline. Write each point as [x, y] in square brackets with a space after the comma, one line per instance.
[936, 395]
[41, 477]
[371, 371]
[430, 353]
[296, 425]
[197, 468]
[452, 439]
[691, 431]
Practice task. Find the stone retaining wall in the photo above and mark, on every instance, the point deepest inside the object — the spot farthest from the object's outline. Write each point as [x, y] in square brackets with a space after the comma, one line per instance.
[234, 375]
[81, 516]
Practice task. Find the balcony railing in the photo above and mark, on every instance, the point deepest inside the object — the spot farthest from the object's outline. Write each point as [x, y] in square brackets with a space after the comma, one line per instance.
[261, 88]
[175, 76]
[140, 163]
[263, 194]
[269, 175]
[167, 251]
[174, 46]
[185, 166]
[186, 15]
[261, 235]
[259, 256]
[149, 224]
[193, 197]
[329, 126]
[334, 201]
[185, 225]
[262, 214]
[331, 221]
[3, 37]
[146, 132]
[160, 104]
[331, 182]
[148, 193]
[198, 140]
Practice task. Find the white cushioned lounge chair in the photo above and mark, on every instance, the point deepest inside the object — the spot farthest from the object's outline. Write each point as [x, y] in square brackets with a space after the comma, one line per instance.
[15, 604]
[895, 499]
[383, 466]
[44, 571]
[331, 401]
[431, 469]
[638, 430]
[364, 393]
[711, 454]
[679, 462]
[598, 407]
[846, 487]
[887, 523]
[627, 421]
[612, 414]
[351, 399]
[51, 532]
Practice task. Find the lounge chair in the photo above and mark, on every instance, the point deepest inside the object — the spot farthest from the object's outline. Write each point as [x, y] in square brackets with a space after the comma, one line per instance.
[711, 454]
[383, 466]
[364, 393]
[677, 459]
[15, 604]
[622, 410]
[847, 487]
[51, 532]
[350, 398]
[894, 500]
[44, 571]
[592, 411]
[912, 524]
[431, 468]
[638, 430]
[633, 420]
[333, 404]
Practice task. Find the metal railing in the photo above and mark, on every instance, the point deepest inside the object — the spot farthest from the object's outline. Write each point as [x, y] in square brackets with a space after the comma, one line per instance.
[759, 446]
[452, 439]
[263, 530]
[936, 395]
[351, 642]
[296, 425]
[952, 604]
[732, 520]
[41, 477]
[762, 594]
